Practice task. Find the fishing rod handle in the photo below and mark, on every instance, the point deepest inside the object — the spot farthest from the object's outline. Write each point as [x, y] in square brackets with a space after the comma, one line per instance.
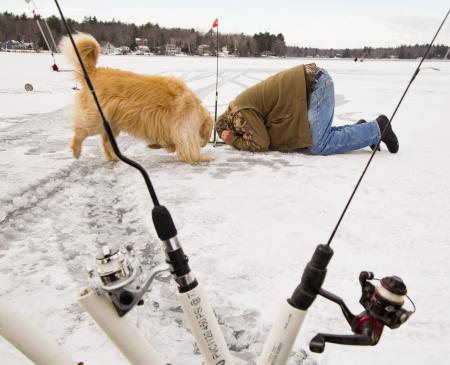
[312, 278]
[120, 330]
[175, 257]
[30, 340]
[282, 336]
[205, 327]
[200, 316]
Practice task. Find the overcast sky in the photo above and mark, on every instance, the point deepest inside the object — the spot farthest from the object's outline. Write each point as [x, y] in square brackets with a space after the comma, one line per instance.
[323, 24]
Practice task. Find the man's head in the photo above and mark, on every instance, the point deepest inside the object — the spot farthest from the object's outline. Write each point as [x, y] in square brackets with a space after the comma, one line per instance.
[223, 122]
[227, 120]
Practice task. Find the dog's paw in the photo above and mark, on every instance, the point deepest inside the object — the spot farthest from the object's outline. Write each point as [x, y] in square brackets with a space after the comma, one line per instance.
[170, 148]
[109, 154]
[76, 152]
[111, 158]
[206, 158]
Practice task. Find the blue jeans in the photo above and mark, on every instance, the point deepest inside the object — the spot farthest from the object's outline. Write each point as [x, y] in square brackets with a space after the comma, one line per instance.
[328, 140]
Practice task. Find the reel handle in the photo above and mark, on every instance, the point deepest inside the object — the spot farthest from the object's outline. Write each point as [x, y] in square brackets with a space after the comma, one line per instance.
[317, 344]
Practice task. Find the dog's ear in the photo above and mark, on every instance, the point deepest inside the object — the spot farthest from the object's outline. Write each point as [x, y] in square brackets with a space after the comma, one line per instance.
[206, 126]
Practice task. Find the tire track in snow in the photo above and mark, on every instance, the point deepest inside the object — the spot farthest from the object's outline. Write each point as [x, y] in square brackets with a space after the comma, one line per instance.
[224, 78]
[42, 190]
[58, 225]
[198, 76]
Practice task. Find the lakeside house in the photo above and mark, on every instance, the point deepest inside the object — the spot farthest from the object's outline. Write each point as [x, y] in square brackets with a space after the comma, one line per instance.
[203, 50]
[107, 48]
[13, 45]
[172, 50]
[124, 50]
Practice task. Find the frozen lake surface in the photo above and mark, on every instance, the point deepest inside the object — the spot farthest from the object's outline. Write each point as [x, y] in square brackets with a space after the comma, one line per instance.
[248, 222]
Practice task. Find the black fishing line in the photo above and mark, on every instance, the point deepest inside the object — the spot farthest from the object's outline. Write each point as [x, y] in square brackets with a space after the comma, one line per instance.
[383, 132]
[106, 124]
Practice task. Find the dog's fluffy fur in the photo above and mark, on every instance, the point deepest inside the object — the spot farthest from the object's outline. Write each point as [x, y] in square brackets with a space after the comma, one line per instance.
[161, 110]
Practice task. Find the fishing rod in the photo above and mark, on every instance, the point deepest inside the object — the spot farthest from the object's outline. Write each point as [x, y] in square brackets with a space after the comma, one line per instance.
[216, 24]
[32, 8]
[121, 278]
[386, 128]
[383, 304]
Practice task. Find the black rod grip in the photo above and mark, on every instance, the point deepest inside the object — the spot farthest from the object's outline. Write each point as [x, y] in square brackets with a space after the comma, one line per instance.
[162, 220]
[179, 263]
[312, 278]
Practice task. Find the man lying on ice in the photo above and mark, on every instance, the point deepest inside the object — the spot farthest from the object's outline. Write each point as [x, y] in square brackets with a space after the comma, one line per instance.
[293, 110]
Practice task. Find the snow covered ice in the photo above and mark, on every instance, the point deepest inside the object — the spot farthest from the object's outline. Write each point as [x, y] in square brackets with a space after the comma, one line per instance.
[248, 222]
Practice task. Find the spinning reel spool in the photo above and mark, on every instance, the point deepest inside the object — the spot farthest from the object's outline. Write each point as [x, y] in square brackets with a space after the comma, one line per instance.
[385, 302]
[116, 267]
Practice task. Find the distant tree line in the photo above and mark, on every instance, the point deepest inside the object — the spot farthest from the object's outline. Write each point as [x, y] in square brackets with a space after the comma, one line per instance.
[402, 52]
[24, 28]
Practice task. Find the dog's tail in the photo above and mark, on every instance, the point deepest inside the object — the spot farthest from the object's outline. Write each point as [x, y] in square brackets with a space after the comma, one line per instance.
[88, 48]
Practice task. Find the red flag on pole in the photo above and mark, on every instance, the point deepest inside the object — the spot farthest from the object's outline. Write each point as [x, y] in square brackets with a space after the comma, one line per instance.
[216, 23]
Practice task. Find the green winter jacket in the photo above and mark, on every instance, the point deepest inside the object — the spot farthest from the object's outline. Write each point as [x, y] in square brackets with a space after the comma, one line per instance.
[272, 115]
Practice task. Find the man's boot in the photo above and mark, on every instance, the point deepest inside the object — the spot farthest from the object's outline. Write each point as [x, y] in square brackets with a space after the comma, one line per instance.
[389, 138]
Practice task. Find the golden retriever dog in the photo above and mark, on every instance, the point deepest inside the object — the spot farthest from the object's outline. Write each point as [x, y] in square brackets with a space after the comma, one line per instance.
[160, 110]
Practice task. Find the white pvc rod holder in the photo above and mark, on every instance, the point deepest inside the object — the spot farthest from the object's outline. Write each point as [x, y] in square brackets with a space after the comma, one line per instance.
[282, 336]
[27, 338]
[205, 327]
[120, 330]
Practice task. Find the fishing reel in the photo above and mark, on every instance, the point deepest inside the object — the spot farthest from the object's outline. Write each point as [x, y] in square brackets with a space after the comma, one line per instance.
[119, 274]
[383, 304]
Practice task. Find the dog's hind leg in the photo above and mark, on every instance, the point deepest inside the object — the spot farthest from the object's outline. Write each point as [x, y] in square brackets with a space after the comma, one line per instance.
[84, 125]
[107, 148]
[79, 136]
